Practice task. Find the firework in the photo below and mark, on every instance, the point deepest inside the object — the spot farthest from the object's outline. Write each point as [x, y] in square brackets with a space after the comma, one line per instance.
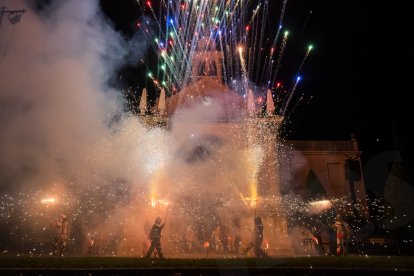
[49, 200]
[235, 27]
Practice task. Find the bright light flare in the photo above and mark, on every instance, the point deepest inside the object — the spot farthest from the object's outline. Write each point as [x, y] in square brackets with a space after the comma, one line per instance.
[325, 202]
[48, 200]
[319, 206]
[252, 200]
[163, 202]
[253, 203]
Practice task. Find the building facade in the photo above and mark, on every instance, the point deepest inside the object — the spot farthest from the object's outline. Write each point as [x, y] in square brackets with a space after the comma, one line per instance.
[312, 170]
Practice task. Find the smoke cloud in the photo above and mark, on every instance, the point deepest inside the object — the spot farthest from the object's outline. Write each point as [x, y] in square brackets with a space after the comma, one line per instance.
[59, 140]
[54, 101]
[65, 138]
[57, 112]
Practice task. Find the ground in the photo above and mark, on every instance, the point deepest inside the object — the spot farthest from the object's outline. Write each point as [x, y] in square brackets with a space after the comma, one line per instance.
[323, 265]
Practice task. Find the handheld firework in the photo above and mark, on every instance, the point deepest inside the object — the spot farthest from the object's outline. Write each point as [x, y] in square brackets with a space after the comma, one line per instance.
[166, 213]
[255, 207]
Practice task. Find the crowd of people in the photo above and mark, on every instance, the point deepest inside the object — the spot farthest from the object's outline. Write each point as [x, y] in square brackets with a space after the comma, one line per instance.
[219, 242]
[328, 239]
[312, 239]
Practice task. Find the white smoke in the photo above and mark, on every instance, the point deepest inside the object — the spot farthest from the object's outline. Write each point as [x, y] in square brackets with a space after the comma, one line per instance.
[58, 138]
[55, 104]
[57, 112]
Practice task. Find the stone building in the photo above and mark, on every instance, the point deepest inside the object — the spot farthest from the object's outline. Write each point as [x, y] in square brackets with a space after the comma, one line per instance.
[314, 170]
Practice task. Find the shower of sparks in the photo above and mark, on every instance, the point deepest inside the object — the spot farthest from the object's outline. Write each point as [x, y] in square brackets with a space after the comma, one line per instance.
[87, 204]
[153, 202]
[100, 210]
[174, 28]
[163, 202]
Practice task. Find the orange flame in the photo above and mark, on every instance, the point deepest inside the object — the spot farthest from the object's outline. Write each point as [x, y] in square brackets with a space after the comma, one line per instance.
[253, 201]
[163, 202]
[48, 200]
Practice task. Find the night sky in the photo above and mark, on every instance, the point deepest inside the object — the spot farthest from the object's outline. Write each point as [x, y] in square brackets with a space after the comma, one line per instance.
[352, 81]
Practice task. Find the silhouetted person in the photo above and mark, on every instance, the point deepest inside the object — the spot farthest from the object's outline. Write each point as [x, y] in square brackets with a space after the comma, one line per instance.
[237, 243]
[258, 226]
[216, 237]
[258, 239]
[308, 239]
[146, 243]
[155, 237]
[325, 239]
[342, 231]
[61, 235]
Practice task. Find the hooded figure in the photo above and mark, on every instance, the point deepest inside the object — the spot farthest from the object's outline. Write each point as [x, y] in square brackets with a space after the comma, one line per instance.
[155, 237]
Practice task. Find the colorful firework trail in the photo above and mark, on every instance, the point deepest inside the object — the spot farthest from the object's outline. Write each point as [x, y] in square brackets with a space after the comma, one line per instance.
[238, 29]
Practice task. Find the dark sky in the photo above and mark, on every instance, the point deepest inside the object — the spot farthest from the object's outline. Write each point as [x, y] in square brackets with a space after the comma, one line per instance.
[353, 74]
